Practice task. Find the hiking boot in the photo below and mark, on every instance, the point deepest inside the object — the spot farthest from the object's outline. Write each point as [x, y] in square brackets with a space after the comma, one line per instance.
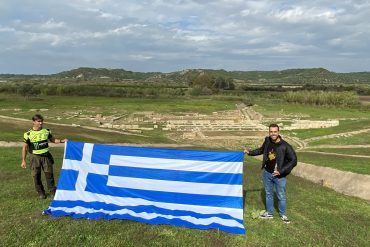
[42, 196]
[266, 215]
[285, 219]
[52, 193]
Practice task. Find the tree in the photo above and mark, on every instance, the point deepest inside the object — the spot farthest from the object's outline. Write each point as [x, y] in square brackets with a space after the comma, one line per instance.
[25, 89]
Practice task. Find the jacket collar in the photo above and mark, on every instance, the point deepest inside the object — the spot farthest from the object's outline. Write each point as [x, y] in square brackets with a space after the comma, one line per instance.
[278, 143]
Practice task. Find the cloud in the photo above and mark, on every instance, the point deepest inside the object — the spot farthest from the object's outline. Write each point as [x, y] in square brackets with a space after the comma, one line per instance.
[140, 57]
[173, 35]
[301, 14]
[52, 24]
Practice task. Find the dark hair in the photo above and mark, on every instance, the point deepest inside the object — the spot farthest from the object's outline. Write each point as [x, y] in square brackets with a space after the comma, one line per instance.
[37, 117]
[274, 125]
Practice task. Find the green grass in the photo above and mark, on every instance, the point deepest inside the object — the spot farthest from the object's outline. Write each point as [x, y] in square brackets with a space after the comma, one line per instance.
[344, 126]
[358, 139]
[351, 151]
[275, 108]
[13, 131]
[111, 104]
[320, 217]
[351, 164]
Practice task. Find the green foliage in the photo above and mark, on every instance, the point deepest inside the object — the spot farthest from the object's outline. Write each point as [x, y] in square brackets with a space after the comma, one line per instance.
[123, 83]
[103, 73]
[255, 213]
[272, 106]
[199, 90]
[314, 76]
[38, 89]
[105, 105]
[206, 84]
[322, 98]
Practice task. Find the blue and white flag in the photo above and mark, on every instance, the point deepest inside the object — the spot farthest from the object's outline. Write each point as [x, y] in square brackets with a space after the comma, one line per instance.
[189, 188]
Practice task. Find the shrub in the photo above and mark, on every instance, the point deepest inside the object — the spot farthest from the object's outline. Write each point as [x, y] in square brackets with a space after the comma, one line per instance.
[322, 98]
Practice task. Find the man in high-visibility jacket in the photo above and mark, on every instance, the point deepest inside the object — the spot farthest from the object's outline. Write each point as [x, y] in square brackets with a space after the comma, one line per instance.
[36, 143]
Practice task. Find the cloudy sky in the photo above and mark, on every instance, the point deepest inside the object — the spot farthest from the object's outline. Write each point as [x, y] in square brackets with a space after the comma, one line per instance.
[43, 36]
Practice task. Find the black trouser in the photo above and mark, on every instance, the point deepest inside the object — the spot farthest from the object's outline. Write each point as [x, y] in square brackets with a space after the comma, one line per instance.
[44, 163]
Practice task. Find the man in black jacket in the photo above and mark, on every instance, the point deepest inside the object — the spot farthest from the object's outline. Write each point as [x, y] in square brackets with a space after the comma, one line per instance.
[278, 161]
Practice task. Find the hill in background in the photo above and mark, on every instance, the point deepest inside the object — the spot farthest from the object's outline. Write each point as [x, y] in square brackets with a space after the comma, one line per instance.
[289, 76]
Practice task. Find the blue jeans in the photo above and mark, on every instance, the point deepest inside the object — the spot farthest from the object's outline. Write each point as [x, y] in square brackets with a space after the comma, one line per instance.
[280, 184]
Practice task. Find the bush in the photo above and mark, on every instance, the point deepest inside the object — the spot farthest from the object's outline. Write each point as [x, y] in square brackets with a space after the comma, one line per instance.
[199, 90]
[322, 98]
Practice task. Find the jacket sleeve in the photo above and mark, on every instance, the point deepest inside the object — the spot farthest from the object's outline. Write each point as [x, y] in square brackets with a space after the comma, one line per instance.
[290, 160]
[258, 151]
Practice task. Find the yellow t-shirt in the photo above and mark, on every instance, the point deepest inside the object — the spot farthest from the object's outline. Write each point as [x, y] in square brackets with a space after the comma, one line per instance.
[37, 140]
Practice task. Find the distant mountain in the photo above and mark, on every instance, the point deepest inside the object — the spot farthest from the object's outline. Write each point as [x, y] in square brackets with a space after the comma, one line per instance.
[289, 76]
[89, 73]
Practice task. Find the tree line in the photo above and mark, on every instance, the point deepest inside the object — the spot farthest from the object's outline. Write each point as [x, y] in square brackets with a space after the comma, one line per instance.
[321, 98]
[201, 85]
[27, 89]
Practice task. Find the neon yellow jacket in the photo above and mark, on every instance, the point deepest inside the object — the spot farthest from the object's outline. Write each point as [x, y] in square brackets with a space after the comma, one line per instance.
[37, 141]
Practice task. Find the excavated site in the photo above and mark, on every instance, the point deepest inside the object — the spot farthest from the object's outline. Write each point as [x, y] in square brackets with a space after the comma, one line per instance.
[232, 129]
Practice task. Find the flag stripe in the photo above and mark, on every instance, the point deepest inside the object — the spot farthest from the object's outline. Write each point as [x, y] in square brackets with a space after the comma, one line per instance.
[102, 153]
[174, 186]
[97, 184]
[138, 209]
[183, 176]
[137, 202]
[153, 216]
[159, 220]
[178, 165]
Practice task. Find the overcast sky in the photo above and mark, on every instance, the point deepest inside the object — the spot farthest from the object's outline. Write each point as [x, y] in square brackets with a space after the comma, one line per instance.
[44, 36]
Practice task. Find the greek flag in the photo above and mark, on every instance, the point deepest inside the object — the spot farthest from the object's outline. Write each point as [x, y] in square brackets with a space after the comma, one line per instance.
[188, 188]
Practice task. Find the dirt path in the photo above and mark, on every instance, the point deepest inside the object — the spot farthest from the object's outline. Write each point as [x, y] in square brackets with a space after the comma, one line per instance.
[344, 134]
[339, 146]
[336, 154]
[164, 145]
[10, 144]
[304, 143]
[300, 143]
[80, 126]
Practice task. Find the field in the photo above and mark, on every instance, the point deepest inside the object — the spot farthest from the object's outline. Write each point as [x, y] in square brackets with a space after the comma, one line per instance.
[356, 165]
[80, 119]
[356, 139]
[344, 126]
[13, 132]
[320, 216]
[351, 151]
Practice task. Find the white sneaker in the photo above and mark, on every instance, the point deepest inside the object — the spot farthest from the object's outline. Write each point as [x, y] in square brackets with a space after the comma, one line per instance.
[266, 215]
[285, 219]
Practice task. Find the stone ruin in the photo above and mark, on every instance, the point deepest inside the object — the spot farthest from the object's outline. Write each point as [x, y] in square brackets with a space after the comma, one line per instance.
[311, 124]
[236, 125]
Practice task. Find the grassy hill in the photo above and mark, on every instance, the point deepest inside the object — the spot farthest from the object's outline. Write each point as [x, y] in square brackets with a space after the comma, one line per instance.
[289, 76]
[103, 73]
